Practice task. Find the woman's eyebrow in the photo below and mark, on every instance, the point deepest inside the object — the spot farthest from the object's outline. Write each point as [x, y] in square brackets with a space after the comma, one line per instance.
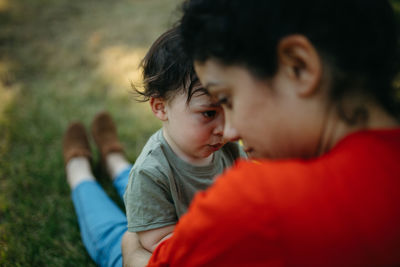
[210, 84]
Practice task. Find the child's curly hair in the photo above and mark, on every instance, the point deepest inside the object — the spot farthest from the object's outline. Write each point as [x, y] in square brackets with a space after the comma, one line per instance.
[166, 69]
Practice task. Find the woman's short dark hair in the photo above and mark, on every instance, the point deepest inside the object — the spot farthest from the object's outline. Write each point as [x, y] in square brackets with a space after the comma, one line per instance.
[166, 68]
[357, 38]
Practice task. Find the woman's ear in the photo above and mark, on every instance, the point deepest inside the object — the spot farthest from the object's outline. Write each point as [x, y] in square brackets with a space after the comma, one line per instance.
[158, 106]
[299, 61]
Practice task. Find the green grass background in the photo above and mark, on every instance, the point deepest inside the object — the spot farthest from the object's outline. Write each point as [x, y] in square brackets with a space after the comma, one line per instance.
[63, 60]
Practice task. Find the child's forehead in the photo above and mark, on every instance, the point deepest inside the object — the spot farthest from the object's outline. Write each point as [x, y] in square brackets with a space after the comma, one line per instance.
[202, 98]
[199, 97]
[199, 92]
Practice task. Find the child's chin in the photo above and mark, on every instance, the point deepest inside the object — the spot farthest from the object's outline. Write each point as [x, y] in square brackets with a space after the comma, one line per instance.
[206, 154]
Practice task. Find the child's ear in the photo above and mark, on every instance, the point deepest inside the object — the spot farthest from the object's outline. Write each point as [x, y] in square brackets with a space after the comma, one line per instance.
[158, 106]
[300, 62]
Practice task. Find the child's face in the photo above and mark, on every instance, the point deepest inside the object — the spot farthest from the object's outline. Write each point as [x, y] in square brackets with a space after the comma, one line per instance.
[269, 116]
[195, 129]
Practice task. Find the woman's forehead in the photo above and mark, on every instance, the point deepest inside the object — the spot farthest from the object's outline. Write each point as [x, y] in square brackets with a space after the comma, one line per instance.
[214, 74]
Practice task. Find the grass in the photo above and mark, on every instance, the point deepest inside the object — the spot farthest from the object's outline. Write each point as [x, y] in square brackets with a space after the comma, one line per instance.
[61, 61]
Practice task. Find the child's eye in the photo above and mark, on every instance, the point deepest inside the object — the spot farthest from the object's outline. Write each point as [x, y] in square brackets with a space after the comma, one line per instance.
[209, 114]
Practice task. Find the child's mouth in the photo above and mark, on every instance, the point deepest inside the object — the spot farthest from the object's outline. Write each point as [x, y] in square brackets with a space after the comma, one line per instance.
[216, 146]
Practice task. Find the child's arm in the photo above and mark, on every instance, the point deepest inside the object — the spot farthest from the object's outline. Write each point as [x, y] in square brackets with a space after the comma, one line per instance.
[133, 254]
[151, 238]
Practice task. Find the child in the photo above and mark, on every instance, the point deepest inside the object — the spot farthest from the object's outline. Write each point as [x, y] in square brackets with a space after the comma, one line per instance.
[308, 87]
[182, 157]
[193, 125]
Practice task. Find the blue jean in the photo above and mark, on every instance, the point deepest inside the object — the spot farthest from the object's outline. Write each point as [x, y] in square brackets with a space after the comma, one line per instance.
[101, 221]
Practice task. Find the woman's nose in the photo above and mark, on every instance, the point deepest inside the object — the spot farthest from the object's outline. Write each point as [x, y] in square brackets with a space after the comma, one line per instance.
[230, 133]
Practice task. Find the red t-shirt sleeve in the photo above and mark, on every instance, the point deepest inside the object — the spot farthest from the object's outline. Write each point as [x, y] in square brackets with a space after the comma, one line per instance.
[218, 228]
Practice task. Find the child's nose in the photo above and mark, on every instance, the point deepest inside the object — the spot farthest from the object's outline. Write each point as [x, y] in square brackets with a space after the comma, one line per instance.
[219, 128]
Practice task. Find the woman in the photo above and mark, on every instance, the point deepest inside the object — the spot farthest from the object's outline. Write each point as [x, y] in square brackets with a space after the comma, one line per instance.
[307, 86]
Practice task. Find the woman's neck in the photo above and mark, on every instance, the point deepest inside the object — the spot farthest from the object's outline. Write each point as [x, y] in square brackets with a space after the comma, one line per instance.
[336, 128]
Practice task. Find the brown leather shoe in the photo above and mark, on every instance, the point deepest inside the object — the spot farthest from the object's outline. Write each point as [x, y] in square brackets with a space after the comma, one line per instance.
[75, 143]
[105, 135]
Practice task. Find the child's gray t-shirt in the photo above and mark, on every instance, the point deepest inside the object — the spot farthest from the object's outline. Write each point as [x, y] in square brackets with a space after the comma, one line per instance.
[161, 185]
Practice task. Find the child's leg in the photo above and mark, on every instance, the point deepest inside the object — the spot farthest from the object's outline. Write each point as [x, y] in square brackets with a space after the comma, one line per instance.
[101, 222]
[120, 180]
[112, 153]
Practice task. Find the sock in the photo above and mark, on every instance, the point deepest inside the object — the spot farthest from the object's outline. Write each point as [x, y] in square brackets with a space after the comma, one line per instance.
[116, 163]
[78, 170]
